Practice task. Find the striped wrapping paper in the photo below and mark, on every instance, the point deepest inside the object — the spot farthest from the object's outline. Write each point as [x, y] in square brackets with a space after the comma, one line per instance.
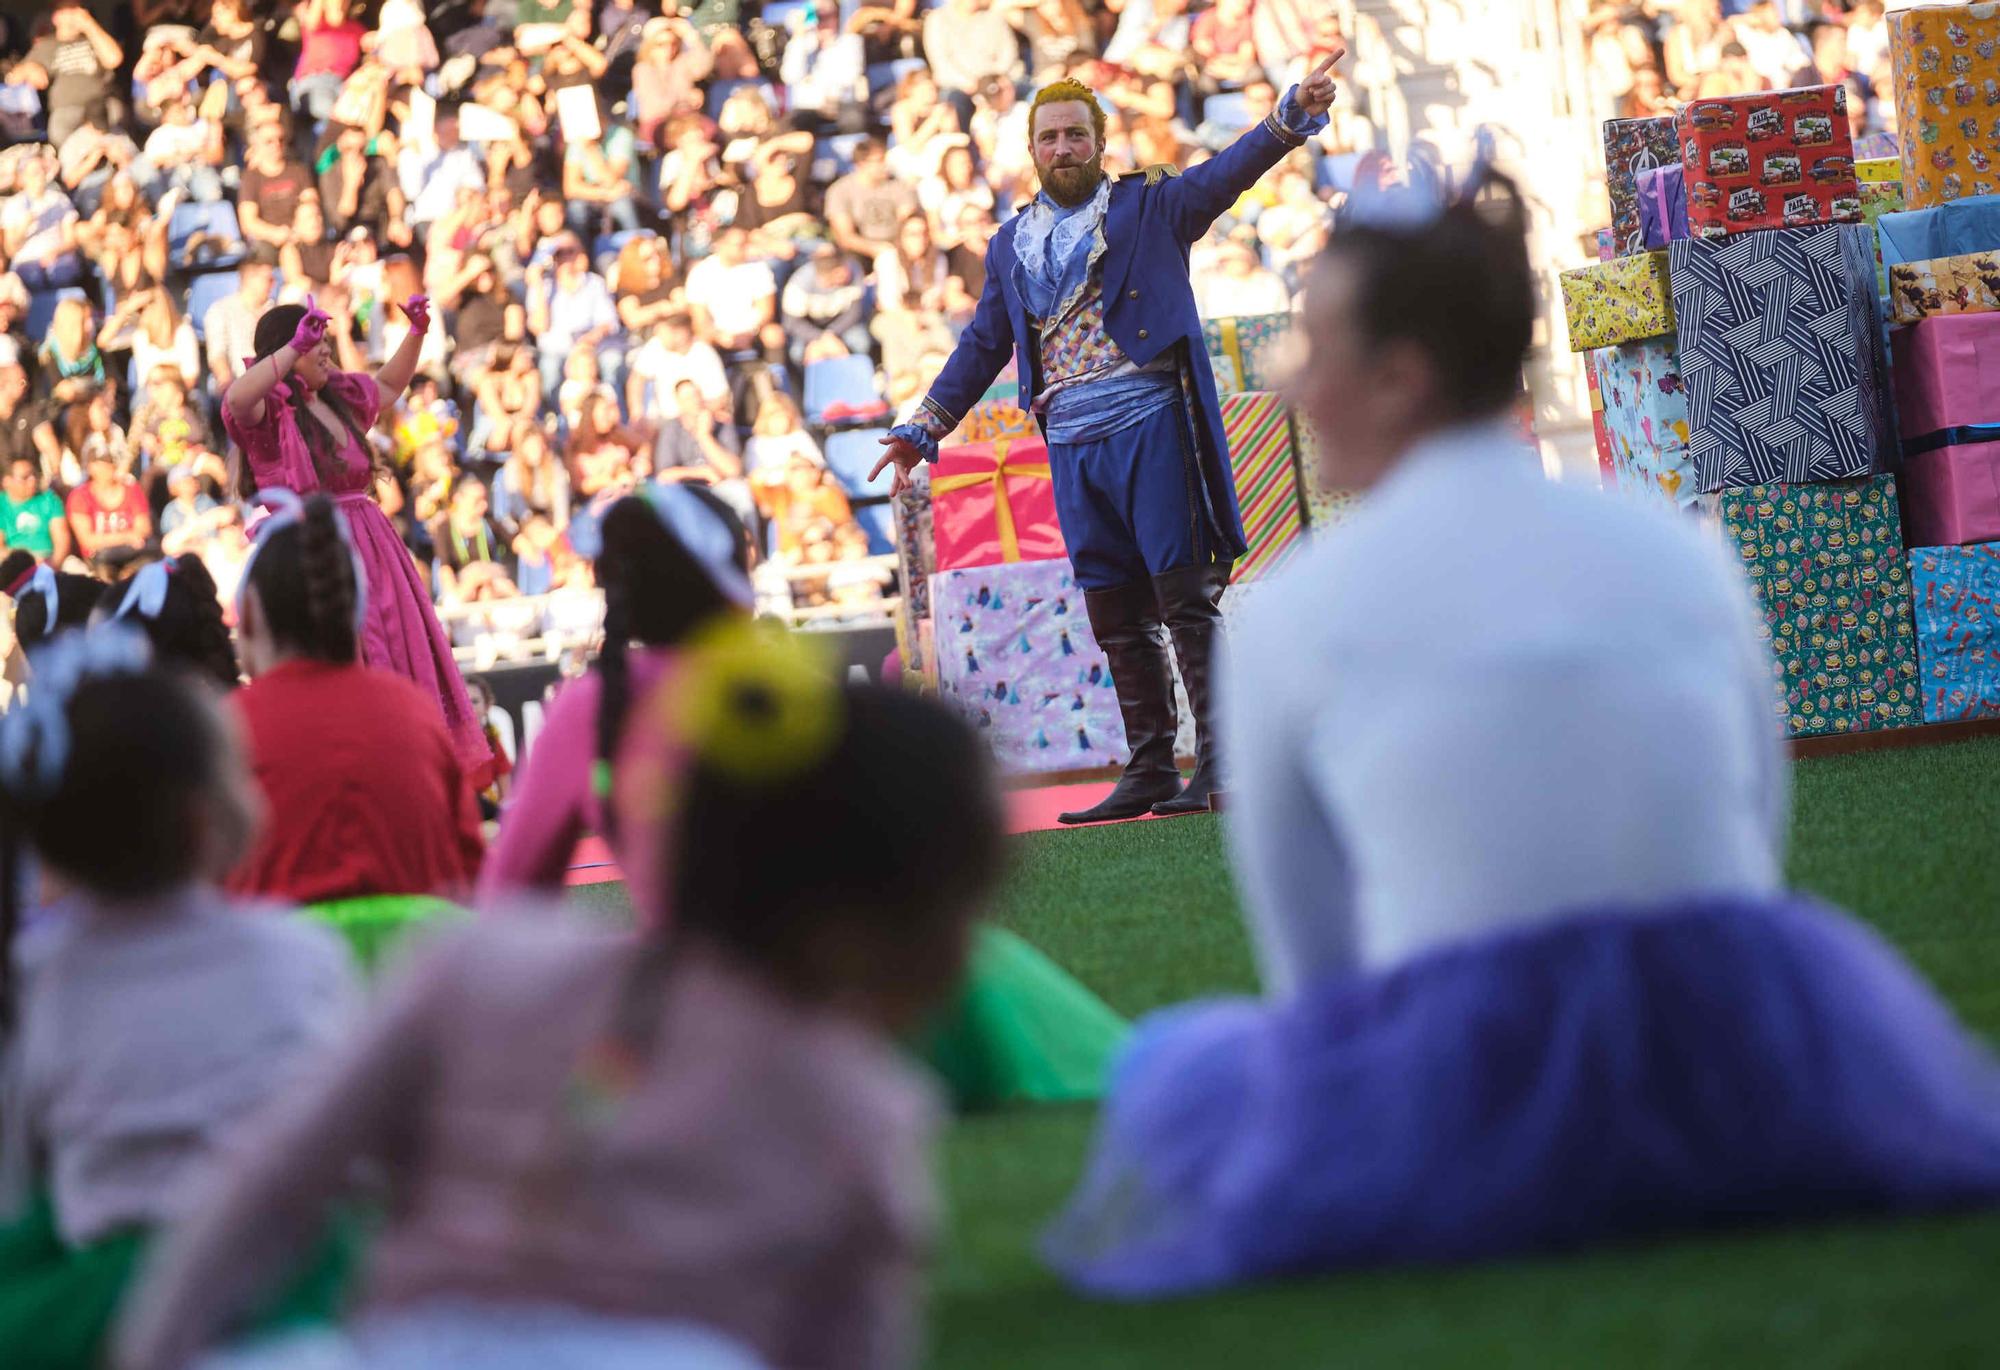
[1264, 462]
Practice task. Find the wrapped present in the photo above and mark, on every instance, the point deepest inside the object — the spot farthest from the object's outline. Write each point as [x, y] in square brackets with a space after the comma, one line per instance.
[1618, 302]
[1947, 374]
[1781, 349]
[1607, 244]
[998, 413]
[1245, 352]
[1877, 199]
[1955, 590]
[915, 562]
[1953, 230]
[1951, 487]
[1878, 171]
[1264, 464]
[1324, 508]
[993, 502]
[1780, 159]
[1663, 210]
[1632, 146]
[1947, 101]
[1607, 470]
[1646, 420]
[1827, 564]
[1014, 649]
[1945, 285]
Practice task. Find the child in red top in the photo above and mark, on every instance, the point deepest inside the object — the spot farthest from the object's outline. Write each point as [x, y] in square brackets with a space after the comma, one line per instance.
[368, 796]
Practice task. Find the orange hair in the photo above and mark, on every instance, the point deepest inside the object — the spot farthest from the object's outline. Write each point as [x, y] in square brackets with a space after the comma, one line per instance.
[1064, 91]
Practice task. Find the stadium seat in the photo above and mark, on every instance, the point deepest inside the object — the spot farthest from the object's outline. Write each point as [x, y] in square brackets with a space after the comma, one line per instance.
[848, 381]
[205, 291]
[852, 454]
[217, 219]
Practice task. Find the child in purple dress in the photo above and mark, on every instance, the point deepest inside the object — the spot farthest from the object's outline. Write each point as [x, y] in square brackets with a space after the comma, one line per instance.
[303, 426]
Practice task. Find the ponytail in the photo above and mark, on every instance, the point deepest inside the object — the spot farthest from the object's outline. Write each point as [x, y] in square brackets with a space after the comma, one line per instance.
[179, 607]
[308, 587]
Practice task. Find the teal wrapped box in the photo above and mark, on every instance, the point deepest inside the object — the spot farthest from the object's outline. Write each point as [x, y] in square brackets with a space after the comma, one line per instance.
[1246, 353]
[1646, 420]
[1828, 567]
[1956, 590]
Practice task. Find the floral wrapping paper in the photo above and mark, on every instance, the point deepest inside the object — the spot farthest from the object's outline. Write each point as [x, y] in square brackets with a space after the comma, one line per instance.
[1781, 348]
[1264, 465]
[1246, 352]
[1618, 302]
[1947, 285]
[1014, 649]
[1646, 421]
[1947, 100]
[1784, 159]
[1630, 147]
[1955, 590]
[1827, 565]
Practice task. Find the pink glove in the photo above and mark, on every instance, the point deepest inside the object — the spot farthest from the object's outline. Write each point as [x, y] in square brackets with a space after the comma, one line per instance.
[418, 308]
[311, 329]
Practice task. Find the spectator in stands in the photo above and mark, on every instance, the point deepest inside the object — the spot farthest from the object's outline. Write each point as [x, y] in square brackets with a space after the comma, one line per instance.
[1152, 39]
[670, 63]
[473, 551]
[864, 207]
[647, 285]
[967, 41]
[108, 514]
[25, 421]
[31, 516]
[672, 355]
[360, 190]
[38, 230]
[1736, 75]
[230, 328]
[330, 48]
[74, 67]
[693, 446]
[824, 69]
[780, 205]
[825, 308]
[89, 159]
[1780, 56]
[569, 309]
[953, 186]
[165, 427]
[192, 518]
[1292, 35]
[796, 498]
[1224, 43]
[532, 482]
[910, 295]
[734, 300]
[599, 181]
[918, 120]
[273, 184]
[69, 366]
[184, 153]
[778, 436]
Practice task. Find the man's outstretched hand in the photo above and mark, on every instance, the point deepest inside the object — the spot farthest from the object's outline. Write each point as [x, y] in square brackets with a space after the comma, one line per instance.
[904, 457]
[1317, 91]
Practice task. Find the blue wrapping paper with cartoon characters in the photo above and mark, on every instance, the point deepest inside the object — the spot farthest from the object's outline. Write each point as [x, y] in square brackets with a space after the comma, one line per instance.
[1957, 594]
[1014, 649]
[1646, 420]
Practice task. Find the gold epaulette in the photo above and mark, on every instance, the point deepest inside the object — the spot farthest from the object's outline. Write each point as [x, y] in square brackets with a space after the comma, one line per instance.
[1154, 172]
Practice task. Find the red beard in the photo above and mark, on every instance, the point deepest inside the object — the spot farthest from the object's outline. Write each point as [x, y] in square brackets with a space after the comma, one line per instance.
[1070, 186]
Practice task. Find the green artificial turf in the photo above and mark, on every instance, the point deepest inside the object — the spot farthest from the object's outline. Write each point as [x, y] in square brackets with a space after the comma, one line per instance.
[1145, 915]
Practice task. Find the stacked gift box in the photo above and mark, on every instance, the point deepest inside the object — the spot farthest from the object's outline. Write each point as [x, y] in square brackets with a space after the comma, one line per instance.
[1942, 254]
[1737, 349]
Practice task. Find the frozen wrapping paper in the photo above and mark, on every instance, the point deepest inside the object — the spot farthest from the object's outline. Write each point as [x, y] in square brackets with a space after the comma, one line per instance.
[1955, 590]
[1878, 171]
[994, 502]
[1663, 215]
[1264, 464]
[1951, 487]
[1827, 564]
[1618, 302]
[1632, 146]
[1947, 90]
[1245, 352]
[1953, 230]
[1947, 373]
[1946, 285]
[1014, 649]
[1781, 349]
[1779, 159]
[1646, 421]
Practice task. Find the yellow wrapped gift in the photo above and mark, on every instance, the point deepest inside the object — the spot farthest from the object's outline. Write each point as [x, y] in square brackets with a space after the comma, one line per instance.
[1876, 170]
[1620, 301]
[1945, 285]
[1947, 90]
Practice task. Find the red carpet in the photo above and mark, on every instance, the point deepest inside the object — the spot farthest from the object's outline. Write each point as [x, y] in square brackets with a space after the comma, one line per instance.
[1027, 811]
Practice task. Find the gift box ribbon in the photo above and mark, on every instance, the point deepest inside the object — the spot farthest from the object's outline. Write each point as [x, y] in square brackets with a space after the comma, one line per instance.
[1003, 508]
[1962, 436]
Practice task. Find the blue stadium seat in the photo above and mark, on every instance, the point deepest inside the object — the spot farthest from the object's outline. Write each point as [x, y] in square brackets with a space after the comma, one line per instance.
[217, 218]
[42, 310]
[836, 379]
[206, 290]
[850, 455]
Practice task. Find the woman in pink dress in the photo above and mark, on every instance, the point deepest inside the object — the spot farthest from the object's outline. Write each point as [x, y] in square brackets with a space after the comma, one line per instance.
[303, 425]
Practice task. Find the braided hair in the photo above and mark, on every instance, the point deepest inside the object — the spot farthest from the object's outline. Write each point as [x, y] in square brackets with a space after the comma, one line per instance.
[190, 629]
[76, 596]
[655, 592]
[305, 585]
[274, 330]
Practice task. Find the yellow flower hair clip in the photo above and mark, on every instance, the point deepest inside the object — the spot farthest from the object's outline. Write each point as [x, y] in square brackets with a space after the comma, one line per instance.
[756, 702]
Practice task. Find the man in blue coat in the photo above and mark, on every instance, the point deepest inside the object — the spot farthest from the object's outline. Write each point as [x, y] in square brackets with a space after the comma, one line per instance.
[1087, 289]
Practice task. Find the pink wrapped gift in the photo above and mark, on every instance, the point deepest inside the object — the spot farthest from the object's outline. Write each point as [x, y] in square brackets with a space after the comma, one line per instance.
[1951, 491]
[1947, 374]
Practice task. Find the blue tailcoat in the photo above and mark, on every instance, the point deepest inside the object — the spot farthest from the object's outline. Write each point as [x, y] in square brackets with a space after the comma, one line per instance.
[1149, 303]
